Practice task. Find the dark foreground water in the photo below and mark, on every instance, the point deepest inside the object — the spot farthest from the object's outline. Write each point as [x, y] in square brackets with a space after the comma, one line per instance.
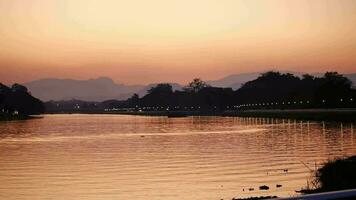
[135, 157]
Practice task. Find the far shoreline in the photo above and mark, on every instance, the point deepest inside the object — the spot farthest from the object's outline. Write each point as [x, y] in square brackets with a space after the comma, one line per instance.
[5, 118]
[334, 114]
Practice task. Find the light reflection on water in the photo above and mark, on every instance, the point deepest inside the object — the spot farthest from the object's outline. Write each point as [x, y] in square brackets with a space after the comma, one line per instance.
[135, 157]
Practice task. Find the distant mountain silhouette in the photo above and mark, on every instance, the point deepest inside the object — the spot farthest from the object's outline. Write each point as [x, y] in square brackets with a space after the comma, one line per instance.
[99, 89]
[234, 81]
[352, 78]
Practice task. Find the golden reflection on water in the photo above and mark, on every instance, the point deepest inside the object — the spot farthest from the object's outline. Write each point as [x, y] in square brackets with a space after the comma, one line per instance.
[135, 157]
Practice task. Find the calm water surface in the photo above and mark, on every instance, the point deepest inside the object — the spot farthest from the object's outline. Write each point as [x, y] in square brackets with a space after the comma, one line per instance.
[134, 157]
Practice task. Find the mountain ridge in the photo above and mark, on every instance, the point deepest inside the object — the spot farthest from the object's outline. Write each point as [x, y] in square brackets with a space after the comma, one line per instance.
[98, 89]
[104, 88]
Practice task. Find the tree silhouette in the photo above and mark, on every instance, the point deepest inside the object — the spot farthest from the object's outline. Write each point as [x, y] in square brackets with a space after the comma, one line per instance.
[161, 88]
[134, 100]
[196, 85]
[17, 98]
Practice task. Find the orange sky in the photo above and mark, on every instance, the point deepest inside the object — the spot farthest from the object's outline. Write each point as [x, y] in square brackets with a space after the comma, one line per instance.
[139, 41]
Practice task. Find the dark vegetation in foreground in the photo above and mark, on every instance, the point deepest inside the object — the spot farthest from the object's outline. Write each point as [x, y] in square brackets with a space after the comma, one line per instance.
[334, 175]
[270, 91]
[16, 103]
[338, 174]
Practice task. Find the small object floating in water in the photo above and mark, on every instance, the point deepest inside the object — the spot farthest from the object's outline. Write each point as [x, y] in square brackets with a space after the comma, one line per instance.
[175, 115]
[285, 170]
[251, 189]
[278, 185]
[142, 136]
[264, 187]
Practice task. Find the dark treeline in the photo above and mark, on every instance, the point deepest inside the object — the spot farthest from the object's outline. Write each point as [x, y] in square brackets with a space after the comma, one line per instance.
[197, 95]
[17, 101]
[271, 90]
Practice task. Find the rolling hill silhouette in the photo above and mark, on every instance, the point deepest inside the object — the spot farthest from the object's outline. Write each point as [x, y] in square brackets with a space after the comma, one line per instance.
[99, 89]
[105, 88]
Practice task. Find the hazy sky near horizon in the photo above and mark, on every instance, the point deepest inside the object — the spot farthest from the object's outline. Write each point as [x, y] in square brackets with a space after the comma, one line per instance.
[139, 41]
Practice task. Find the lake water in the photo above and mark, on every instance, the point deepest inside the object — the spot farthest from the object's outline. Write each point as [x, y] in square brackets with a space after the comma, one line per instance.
[136, 157]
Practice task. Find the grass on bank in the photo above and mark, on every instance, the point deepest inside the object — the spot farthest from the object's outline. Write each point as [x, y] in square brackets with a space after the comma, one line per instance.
[337, 174]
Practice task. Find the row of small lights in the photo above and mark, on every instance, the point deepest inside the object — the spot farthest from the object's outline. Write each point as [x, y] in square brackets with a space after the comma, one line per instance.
[15, 112]
[153, 108]
[268, 104]
[340, 100]
[235, 106]
[283, 103]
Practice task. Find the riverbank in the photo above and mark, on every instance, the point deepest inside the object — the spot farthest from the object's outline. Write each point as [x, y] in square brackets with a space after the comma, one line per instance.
[11, 117]
[336, 178]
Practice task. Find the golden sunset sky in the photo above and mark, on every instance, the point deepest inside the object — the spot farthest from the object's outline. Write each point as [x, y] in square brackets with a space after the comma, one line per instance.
[144, 41]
